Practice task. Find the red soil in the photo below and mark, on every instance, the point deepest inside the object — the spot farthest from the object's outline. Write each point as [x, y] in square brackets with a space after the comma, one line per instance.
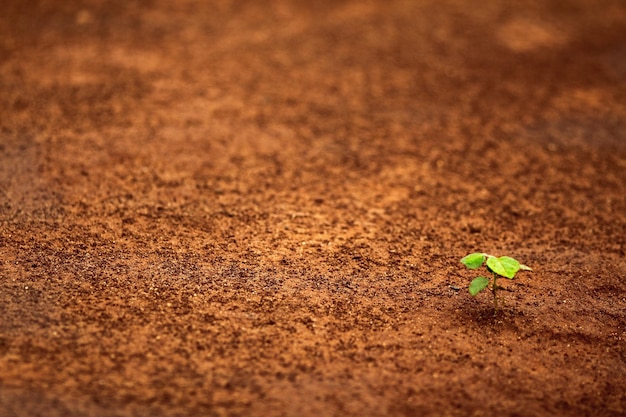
[258, 208]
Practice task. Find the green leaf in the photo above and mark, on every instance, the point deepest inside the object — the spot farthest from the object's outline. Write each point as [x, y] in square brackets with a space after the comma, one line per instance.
[473, 260]
[477, 285]
[504, 266]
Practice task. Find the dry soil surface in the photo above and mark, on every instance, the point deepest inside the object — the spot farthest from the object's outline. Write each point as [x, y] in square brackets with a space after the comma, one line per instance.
[258, 208]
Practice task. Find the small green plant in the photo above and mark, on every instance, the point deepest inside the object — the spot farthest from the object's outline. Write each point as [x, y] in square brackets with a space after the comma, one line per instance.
[504, 266]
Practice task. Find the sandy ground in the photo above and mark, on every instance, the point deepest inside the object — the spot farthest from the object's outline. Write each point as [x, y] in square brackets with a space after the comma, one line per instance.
[258, 208]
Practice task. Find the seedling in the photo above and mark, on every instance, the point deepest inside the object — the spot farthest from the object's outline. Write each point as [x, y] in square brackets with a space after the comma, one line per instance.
[504, 266]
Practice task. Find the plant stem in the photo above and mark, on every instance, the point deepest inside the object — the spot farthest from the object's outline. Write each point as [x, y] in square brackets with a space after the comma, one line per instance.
[495, 294]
